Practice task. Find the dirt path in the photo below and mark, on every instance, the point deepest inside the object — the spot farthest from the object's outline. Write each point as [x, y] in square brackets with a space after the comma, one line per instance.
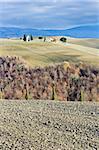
[47, 125]
[89, 50]
[85, 49]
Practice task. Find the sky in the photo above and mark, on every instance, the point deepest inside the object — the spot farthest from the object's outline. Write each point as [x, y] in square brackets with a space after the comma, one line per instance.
[48, 14]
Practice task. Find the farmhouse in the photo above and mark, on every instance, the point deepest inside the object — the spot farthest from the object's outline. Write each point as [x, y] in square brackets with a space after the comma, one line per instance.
[28, 38]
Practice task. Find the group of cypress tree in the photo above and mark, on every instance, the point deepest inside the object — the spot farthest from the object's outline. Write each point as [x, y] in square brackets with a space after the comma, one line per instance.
[31, 38]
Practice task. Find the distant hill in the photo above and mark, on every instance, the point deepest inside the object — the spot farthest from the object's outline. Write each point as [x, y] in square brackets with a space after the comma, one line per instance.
[90, 31]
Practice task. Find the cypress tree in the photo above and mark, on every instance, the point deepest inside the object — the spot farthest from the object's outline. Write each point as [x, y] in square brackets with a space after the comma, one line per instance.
[31, 37]
[24, 37]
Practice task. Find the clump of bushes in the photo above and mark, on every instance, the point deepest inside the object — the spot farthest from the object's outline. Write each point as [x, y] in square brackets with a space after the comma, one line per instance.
[40, 37]
[63, 39]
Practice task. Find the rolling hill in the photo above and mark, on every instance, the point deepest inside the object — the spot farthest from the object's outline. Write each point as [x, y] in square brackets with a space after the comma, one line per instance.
[44, 53]
[89, 31]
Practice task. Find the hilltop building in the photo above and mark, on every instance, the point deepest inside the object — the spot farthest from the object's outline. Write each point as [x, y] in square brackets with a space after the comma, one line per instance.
[28, 38]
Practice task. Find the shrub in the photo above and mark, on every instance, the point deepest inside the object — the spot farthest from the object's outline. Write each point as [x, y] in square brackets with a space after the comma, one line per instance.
[63, 39]
[40, 37]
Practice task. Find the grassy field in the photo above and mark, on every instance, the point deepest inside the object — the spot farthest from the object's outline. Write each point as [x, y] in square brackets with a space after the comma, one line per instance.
[94, 43]
[38, 53]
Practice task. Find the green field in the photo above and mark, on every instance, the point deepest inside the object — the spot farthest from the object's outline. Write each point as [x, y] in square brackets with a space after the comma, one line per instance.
[38, 53]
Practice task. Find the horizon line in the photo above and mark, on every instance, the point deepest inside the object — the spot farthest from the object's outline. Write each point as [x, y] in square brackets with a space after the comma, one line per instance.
[49, 28]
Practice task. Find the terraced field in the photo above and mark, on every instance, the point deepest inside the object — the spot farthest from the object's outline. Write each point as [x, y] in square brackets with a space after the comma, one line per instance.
[49, 125]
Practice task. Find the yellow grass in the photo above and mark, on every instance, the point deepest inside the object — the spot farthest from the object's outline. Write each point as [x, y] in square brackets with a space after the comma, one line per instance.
[94, 43]
[44, 53]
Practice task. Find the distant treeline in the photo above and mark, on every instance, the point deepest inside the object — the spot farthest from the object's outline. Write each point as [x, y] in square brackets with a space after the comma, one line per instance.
[66, 82]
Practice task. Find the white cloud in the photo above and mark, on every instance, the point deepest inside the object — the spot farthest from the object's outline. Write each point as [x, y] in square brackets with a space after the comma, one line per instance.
[13, 1]
[48, 13]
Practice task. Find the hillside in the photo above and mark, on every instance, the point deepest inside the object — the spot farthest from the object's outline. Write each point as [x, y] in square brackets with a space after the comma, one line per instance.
[93, 43]
[89, 31]
[38, 53]
[30, 63]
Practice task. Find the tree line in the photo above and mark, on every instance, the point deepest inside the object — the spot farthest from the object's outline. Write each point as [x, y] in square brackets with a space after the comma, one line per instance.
[64, 82]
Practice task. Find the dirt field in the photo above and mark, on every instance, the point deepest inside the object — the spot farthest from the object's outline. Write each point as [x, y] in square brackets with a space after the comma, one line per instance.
[38, 53]
[47, 125]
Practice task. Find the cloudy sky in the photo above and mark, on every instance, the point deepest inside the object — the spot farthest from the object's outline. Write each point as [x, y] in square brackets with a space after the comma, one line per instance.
[48, 14]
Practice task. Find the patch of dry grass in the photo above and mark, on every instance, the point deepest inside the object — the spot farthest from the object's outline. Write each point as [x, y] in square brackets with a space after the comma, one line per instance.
[43, 53]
